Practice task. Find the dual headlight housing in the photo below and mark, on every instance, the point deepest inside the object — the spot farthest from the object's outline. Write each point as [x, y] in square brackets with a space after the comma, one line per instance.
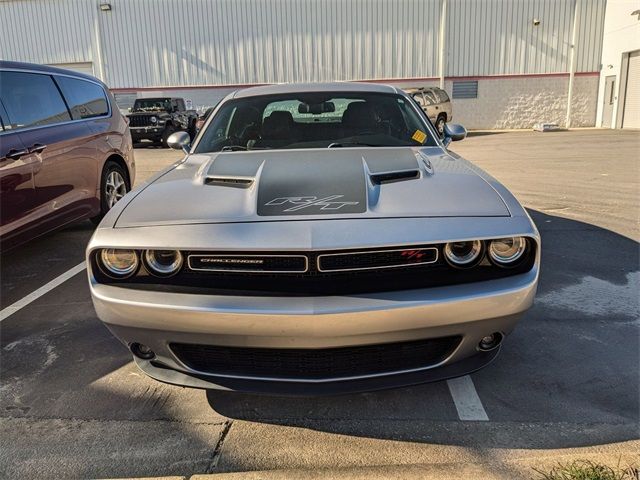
[503, 252]
[506, 252]
[123, 263]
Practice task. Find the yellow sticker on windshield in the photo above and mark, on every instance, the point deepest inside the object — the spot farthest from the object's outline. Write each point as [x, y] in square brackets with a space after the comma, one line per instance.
[419, 136]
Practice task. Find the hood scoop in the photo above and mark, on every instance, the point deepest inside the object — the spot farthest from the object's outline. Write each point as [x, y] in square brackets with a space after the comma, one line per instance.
[238, 182]
[396, 176]
[226, 174]
[406, 169]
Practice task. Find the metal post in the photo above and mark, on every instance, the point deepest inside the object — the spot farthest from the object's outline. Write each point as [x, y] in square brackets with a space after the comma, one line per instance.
[572, 61]
[443, 26]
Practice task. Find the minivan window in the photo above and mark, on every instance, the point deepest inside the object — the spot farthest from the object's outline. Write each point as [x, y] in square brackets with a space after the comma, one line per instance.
[31, 100]
[3, 118]
[85, 99]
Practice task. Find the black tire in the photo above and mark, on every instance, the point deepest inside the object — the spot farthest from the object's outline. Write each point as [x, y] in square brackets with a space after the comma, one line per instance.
[111, 171]
[440, 121]
[192, 130]
[169, 129]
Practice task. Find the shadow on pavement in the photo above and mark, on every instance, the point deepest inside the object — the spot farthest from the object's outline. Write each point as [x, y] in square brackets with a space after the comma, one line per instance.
[149, 145]
[568, 375]
[72, 404]
[29, 266]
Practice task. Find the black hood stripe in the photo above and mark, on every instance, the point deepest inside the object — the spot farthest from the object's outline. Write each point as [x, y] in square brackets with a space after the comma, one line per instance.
[318, 183]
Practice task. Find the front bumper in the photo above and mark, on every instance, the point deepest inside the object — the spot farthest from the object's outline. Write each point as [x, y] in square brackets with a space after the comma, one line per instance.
[470, 311]
[146, 133]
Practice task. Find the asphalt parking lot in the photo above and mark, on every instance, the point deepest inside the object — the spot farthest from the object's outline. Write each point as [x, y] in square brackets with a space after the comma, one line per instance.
[566, 384]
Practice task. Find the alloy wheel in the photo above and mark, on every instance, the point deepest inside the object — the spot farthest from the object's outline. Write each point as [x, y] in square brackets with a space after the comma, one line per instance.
[116, 188]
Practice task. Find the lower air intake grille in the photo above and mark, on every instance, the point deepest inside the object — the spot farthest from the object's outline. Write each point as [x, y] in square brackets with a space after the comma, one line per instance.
[314, 364]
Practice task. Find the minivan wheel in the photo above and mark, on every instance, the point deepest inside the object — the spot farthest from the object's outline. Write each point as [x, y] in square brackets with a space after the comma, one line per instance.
[440, 121]
[114, 185]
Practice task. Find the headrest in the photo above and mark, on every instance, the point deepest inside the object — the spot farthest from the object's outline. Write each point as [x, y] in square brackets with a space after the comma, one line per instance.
[277, 125]
[358, 114]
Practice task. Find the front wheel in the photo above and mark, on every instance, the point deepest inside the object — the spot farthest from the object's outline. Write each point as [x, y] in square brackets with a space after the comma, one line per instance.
[441, 120]
[114, 185]
[166, 134]
[192, 130]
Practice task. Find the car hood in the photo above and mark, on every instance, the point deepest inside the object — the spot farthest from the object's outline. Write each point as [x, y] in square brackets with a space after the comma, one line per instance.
[317, 184]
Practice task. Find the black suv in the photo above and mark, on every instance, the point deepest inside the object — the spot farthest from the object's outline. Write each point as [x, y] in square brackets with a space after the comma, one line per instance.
[156, 119]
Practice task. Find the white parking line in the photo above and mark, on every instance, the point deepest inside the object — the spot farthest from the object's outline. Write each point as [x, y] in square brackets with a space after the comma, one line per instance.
[23, 302]
[466, 399]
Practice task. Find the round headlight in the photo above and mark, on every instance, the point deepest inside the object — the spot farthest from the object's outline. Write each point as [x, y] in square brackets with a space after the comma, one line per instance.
[463, 254]
[163, 262]
[119, 263]
[153, 119]
[507, 251]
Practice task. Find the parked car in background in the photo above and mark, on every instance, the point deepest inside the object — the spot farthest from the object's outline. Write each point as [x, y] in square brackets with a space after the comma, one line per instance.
[65, 150]
[202, 119]
[156, 119]
[436, 104]
[316, 238]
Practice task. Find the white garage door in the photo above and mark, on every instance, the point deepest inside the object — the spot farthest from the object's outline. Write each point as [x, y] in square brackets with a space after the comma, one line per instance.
[86, 67]
[631, 118]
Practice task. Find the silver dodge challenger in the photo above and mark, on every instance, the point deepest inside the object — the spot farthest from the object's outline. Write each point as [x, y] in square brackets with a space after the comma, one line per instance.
[315, 239]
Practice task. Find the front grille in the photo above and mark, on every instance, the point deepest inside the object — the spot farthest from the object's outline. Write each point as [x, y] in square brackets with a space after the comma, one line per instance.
[336, 262]
[140, 120]
[315, 364]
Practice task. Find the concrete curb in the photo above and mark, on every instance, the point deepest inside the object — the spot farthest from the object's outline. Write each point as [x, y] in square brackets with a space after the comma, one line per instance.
[516, 469]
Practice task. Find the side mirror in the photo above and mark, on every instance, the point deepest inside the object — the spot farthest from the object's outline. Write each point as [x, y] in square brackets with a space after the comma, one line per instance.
[179, 141]
[453, 132]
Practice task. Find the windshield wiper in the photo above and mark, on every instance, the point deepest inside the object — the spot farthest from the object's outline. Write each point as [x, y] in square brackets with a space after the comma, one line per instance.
[233, 148]
[350, 144]
[241, 148]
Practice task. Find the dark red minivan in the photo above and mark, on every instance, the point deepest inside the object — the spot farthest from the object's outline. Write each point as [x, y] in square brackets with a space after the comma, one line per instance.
[65, 150]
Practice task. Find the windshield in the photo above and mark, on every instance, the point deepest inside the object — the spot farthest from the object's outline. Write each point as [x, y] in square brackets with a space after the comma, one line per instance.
[153, 104]
[315, 120]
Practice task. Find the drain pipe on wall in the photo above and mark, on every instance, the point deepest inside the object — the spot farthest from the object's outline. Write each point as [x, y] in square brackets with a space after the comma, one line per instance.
[572, 61]
[443, 27]
[97, 47]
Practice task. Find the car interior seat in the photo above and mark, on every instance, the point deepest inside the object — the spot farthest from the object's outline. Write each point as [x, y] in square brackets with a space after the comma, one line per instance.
[359, 119]
[277, 130]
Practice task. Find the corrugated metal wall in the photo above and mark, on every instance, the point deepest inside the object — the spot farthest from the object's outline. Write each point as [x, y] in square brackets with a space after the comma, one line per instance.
[211, 42]
[262, 41]
[47, 31]
[498, 37]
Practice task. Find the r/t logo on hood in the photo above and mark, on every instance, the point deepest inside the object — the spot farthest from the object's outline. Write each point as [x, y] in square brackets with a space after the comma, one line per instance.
[298, 203]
